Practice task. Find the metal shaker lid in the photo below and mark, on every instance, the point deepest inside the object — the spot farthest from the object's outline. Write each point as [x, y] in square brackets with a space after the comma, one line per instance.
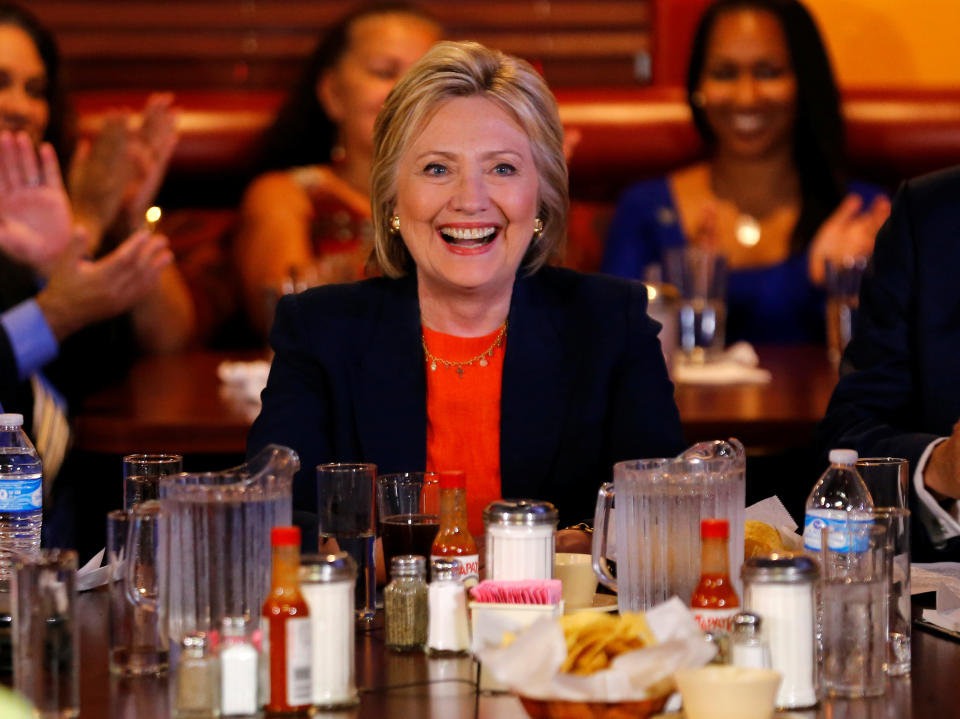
[746, 625]
[338, 567]
[196, 643]
[524, 512]
[408, 565]
[780, 568]
[445, 569]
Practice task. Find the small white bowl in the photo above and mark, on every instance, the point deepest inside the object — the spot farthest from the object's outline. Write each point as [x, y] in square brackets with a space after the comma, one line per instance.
[728, 692]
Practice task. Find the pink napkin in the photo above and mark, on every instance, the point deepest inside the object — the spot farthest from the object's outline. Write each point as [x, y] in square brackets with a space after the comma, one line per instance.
[527, 591]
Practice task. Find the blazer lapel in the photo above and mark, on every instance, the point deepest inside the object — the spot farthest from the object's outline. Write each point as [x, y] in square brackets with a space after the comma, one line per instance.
[391, 391]
[540, 361]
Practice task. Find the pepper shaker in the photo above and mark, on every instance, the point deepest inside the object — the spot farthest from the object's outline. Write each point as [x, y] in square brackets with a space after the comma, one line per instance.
[197, 693]
[405, 604]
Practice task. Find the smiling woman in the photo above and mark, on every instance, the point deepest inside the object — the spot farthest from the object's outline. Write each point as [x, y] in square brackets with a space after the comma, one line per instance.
[471, 353]
[772, 196]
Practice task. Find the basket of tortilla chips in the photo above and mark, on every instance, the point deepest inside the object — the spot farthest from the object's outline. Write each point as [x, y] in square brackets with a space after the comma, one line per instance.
[591, 665]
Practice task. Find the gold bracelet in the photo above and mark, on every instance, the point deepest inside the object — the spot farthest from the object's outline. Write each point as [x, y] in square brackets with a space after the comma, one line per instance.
[581, 527]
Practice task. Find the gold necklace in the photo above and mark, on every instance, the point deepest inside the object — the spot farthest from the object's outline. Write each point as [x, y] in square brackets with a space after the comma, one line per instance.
[480, 359]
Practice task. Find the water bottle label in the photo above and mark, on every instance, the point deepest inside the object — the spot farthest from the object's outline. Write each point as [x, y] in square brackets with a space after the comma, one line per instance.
[845, 534]
[21, 495]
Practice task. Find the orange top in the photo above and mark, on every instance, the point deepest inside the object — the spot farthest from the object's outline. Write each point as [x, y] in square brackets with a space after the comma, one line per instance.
[463, 417]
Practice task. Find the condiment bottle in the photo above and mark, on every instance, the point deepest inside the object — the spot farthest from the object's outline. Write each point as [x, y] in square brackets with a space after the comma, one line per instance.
[448, 631]
[520, 539]
[715, 601]
[839, 496]
[748, 648]
[197, 691]
[453, 539]
[780, 588]
[239, 670]
[286, 629]
[327, 583]
[405, 604]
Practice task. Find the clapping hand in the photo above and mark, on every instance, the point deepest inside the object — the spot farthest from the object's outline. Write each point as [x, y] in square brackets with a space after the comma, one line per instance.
[116, 176]
[35, 217]
[81, 292]
[847, 233]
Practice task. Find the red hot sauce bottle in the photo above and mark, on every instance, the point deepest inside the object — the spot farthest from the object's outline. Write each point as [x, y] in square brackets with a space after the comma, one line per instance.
[714, 601]
[285, 624]
[454, 540]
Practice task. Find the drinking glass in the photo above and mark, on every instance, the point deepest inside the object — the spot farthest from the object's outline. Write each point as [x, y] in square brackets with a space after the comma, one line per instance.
[408, 513]
[842, 280]
[46, 660]
[856, 559]
[700, 277]
[896, 522]
[142, 473]
[887, 479]
[345, 513]
[139, 644]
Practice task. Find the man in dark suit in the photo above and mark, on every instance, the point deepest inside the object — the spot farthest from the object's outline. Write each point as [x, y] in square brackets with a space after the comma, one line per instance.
[899, 395]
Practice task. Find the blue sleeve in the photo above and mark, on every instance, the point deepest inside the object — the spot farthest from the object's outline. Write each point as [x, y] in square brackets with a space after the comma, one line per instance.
[31, 338]
[644, 222]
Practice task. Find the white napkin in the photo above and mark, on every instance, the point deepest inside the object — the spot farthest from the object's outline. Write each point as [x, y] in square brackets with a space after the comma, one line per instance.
[737, 365]
[944, 578]
[91, 574]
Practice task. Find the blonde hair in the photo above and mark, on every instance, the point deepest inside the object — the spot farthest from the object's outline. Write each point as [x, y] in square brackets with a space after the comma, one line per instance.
[466, 69]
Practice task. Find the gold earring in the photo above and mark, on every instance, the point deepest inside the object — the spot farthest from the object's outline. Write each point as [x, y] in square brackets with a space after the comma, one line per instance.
[697, 99]
[537, 227]
[395, 224]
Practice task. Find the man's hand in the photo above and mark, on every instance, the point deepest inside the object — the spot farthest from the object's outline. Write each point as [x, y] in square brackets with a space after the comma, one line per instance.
[81, 292]
[942, 473]
[35, 218]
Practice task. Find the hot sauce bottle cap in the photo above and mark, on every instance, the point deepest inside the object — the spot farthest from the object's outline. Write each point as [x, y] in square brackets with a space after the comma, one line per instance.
[285, 536]
[714, 529]
[453, 479]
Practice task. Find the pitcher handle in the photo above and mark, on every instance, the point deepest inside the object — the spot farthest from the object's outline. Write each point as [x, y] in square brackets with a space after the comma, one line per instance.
[142, 567]
[599, 549]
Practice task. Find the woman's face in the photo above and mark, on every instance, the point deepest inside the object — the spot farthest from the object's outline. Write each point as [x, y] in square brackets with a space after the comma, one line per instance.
[23, 84]
[381, 49]
[748, 86]
[467, 196]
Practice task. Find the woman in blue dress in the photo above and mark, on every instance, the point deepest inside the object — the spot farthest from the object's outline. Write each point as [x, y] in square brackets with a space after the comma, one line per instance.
[771, 195]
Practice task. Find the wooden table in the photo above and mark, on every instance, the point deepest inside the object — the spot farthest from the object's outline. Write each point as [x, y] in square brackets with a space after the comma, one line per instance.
[933, 691]
[176, 403]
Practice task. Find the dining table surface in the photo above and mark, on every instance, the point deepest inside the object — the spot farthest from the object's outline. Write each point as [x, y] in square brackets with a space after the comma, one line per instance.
[412, 686]
[177, 403]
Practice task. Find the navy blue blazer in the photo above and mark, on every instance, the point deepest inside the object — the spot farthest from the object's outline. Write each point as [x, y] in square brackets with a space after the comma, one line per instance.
[584, 385]
[900, 387]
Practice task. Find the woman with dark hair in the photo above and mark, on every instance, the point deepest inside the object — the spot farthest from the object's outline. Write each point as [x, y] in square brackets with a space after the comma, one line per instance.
[771, 196]
[307, 220]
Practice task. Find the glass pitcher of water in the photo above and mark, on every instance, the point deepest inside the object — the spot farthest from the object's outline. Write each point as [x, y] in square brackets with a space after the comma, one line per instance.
[212, 556]
[657, 506]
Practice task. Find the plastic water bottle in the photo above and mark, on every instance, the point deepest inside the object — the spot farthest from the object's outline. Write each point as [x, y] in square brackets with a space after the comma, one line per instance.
[838, 496]
[21, 494]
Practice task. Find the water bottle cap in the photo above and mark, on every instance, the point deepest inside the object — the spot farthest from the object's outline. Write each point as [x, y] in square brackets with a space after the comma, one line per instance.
[453, 479]
[714, 529]
[11, 419]
[285, 536]
[846, 457]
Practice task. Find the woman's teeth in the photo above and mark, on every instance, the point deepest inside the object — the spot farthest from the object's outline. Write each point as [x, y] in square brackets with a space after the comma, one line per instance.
[468, 236]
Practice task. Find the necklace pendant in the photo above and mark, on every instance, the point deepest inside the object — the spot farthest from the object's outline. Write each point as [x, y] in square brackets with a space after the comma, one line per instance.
[483, 361]
[433, 366]
[460, 372]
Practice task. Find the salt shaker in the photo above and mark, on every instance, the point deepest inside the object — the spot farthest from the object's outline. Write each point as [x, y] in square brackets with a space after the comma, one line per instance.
[197, 693]
[748, 647]
[448, 630]
[327, 583]
[520, 539]
[405, 604]
[239, 661]
[781, 589]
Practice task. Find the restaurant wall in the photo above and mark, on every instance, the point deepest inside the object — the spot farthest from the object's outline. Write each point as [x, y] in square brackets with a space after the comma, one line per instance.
[892, 43]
